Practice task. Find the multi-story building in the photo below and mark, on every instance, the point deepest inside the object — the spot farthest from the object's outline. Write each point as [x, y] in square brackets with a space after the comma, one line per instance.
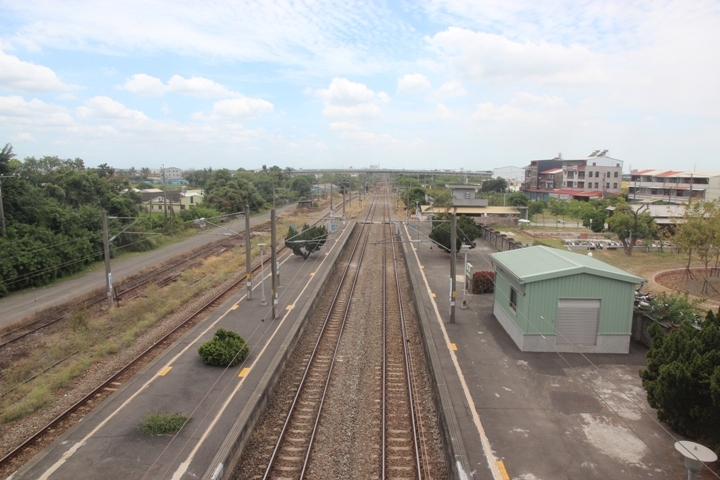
[172, 175]
[593, 176]
[674, 186]
[534, 184]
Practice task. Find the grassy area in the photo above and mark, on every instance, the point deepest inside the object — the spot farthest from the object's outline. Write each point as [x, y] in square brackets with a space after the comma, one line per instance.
[92, 337]
[163, 423]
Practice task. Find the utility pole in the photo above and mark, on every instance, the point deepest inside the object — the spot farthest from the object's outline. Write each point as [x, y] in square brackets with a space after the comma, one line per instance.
[453, 293]
[273, 257]
[2, 211]
[248, 259]
[164, 195]
[331, 202]
[106, 252]
[343, 192]
[262, 274]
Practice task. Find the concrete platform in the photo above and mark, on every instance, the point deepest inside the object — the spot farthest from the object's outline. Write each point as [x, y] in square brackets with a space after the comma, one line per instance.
[108, 444]
[532, 416]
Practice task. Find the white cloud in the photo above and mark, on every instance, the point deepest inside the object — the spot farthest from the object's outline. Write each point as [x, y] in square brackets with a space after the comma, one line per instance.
[15, 112]
[198, 86]
[482, 56]
[344, 92]
[452, 89]
[23, 137]
[144, 85]
[237, 108]
[412, 83]
[488, 112]
[147, 85]
[359, 111]
[525, 99]
[28, 77]
[345, 126]
[107, 109]
[321, 146]
[346, 99]
[444, 113]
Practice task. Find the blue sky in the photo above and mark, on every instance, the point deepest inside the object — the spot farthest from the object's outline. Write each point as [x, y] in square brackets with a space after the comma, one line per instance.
[432, 84]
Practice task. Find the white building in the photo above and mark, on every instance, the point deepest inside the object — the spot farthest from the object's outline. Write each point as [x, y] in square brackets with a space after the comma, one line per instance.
[674, 186]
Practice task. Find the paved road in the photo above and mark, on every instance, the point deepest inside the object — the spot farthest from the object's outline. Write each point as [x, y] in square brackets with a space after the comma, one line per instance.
[26, 303]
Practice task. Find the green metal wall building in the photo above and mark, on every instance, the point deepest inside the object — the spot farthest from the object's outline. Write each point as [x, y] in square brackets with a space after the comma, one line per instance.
[551, 300]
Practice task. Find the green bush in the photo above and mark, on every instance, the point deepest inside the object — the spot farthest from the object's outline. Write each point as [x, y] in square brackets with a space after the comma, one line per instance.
[483, 282]
[163, 423]
[682, 379]
[225, 349]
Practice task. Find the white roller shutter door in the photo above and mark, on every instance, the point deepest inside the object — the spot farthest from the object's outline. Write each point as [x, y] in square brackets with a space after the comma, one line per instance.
[577, 321]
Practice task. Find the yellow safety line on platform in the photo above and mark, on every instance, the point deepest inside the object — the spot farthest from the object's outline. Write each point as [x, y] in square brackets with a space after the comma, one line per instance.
[453, 346]
[289, 307]
[164, 371]
[312, 274]
[243, 373]
[234, 307]
[503, 472]
[487, 449]
[433, 295]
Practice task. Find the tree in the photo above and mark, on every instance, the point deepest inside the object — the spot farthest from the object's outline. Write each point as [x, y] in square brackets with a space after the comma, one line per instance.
[682, 378]
[557, 208]
[466, 232]
[497, 185]
[700, 233]
[517, 199]
[629, 225]
[302, 185]
[307, 241]
[6, 154]
[537, 207]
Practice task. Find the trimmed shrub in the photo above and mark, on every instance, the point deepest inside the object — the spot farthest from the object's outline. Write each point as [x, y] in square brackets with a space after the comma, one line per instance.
[483, 282]
[225, 349]
[163, 423]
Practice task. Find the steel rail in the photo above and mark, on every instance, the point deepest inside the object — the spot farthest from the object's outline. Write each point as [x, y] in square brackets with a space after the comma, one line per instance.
[77, 405]
[310, 364]
[410, 383]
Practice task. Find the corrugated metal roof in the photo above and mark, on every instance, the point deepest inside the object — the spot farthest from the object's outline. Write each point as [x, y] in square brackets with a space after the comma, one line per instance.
[541, 263]
[473, 210]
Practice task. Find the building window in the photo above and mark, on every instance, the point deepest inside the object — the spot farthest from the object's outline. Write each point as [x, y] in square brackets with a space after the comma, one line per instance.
[182, 207]
[616, 174]
[607, 185]
[597, 174]
[191, 200]
[513, 299]
[596, 184]
[581, 184]
[614, 185]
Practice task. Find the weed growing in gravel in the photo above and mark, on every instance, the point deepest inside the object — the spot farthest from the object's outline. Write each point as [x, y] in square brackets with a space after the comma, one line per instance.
[38, 398]
[163, 423]
[79, 318]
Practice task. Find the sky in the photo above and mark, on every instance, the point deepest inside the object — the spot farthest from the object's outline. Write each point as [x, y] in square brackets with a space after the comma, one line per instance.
[430, 84]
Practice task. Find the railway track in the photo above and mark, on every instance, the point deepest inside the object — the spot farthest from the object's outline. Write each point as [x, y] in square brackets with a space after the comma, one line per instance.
[293, 449]
[105, 388]
[127, 290]
[394, 436]
[400, 445]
